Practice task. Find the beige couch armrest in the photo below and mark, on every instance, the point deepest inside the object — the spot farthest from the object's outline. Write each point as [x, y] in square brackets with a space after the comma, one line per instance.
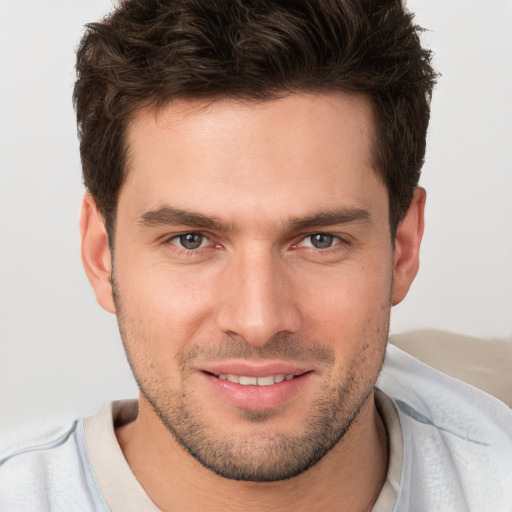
[485, 364]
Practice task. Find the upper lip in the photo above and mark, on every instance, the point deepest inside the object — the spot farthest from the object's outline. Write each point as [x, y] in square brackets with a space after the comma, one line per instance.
[254, 368]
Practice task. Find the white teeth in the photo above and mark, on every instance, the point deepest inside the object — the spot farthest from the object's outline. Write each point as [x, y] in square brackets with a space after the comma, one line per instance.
[248, 381]
[266, 381]
[255, 381]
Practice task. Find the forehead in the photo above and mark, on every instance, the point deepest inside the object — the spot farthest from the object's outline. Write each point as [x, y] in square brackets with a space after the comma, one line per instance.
[235, 158]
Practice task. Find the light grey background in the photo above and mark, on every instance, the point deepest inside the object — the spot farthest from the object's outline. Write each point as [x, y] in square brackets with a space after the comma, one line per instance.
[60, 353]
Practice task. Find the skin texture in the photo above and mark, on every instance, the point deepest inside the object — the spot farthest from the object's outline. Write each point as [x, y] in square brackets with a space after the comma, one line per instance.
[255, 182]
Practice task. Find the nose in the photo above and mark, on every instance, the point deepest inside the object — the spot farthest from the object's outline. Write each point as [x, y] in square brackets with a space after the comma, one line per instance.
[257, 300]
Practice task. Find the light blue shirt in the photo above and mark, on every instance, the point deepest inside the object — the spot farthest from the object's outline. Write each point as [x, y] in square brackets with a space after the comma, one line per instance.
[457, 453]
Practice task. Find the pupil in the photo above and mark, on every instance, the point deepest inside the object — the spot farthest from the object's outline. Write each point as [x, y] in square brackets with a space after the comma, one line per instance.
[191, 240]
[321, 240]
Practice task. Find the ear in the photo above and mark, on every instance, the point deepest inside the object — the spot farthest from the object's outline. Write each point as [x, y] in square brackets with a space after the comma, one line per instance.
[407, 246]
[96, 253]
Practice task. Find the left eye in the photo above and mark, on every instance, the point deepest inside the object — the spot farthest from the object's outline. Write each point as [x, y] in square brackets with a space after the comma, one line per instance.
[320, 241]
[190, 241]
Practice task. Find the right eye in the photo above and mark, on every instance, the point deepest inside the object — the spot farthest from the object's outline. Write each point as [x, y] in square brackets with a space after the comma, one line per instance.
[190, 241]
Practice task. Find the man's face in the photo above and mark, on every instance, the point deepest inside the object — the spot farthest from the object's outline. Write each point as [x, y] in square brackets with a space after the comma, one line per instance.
[253, 276]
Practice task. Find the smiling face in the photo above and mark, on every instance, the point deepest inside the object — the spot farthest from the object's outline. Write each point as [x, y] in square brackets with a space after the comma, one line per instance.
[253, 276]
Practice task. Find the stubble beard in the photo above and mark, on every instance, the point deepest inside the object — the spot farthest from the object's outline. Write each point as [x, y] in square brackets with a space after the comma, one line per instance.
[258, 455]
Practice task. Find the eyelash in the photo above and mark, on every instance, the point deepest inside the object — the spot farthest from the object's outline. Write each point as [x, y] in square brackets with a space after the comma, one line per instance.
[337, 240]
[183, 251]
[340, 243]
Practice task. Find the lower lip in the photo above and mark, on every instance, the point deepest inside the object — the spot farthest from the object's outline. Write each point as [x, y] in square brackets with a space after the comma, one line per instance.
[256, 397]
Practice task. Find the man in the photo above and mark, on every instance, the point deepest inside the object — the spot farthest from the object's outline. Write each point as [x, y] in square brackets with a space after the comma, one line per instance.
[252, 214]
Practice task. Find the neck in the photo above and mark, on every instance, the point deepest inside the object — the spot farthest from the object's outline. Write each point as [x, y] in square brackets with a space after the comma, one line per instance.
[349, 477]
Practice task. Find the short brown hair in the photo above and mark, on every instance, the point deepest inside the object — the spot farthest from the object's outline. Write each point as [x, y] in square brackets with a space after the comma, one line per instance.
[148, 52]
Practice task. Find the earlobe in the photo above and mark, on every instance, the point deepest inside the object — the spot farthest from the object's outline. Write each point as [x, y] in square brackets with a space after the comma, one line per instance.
[407, 246]
[96, 256]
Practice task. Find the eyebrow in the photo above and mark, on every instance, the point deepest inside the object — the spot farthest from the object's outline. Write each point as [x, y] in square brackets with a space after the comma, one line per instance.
[168, 215]
[333, 217]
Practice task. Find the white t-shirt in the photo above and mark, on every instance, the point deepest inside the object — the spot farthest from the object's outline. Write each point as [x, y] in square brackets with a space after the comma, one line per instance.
[450, 451]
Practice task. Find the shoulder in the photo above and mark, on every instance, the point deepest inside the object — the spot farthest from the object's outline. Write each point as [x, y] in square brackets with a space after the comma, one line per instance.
[47, 472]
[457, 439]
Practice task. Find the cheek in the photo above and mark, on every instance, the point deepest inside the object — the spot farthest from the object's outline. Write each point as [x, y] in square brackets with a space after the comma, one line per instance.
[164, 306]
[350, 309]
[351, 294]
[158, 316]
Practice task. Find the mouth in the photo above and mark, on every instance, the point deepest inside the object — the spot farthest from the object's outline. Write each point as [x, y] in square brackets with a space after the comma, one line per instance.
[247, 380]
[257, 389]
